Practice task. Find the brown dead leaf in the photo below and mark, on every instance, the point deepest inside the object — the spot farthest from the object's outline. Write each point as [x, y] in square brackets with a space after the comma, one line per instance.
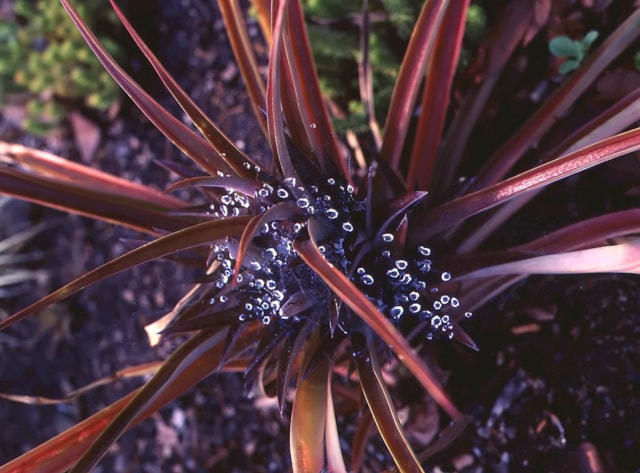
[597, 5]
[539, 18]
[87, 135]
[615, 84]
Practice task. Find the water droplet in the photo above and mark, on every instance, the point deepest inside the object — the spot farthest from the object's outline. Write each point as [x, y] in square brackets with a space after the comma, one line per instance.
[259, 283]
[242, 317]
[264, 193]
[468, 314]
[446, 276]
[414, 296]
[290, 181]
[266, 320]
[278, 295]
[387, 237]
[367, 280]
[455, 302]
[271, 253]
[313, 125]
[437, 305]
[212, 300]
[429, 336]
[322, 249]
[271, 284]
[223, 298]
[331, 214]
[401, 264]
[255, 265]
[226, 199]
[393, 273]
[282, 193]
[445, 319]
[396, 311]
[445, 299]
[386, 253]
[436, 322]
[415, 308]
[406, 279]
[302, 202]
[248, 306]
[350, 189]
[424, 251]
[331, 181]
[347, 227]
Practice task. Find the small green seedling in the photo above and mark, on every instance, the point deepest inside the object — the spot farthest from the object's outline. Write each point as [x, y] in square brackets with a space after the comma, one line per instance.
[574, 51]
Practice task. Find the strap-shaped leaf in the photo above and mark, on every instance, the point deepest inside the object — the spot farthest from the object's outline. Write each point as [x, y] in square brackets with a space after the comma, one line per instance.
[245, 57]
[436, 95]
[433, 221]
[308, 419]
[198, 149]
[556, 105]
[383, 411]
[59, 454]
[179, 361]
[181, 240]
[365, 309]
[281, 211]
[228, 151]
[620, 258]
[91, 201]
[312, 118]
[335, 460]
[275, 118]
[409, 80]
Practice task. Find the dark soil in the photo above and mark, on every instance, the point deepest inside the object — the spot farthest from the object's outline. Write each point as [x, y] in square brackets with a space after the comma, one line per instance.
[555, 383]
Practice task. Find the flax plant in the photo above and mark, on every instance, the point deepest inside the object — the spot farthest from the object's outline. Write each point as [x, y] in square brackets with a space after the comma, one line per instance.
[319, 276]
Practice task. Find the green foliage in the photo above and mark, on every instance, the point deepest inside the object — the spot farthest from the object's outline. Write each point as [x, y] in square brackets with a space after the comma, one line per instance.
[573, 51]
[476, 23]
[337, 51]
[44, 55]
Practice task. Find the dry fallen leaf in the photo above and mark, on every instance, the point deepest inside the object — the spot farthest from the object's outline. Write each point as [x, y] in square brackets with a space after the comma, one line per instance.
[87, 136]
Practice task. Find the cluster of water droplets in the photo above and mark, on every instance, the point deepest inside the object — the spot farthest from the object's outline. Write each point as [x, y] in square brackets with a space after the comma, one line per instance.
[401, 286]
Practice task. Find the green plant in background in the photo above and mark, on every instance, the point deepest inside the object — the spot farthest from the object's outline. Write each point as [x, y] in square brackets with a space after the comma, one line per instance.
[43, 54]
[316, 272]
[335, 37]
[571, 50]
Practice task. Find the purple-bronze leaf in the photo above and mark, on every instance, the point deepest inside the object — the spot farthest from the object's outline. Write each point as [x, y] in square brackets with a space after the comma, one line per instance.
[198, 149]
[434, 221]
[364, 308]
[245, 57]
[281, 211]
[409, 80]
[308, 418]
[383, 411]
[437, 92]
[190, 237]
[556, 105]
